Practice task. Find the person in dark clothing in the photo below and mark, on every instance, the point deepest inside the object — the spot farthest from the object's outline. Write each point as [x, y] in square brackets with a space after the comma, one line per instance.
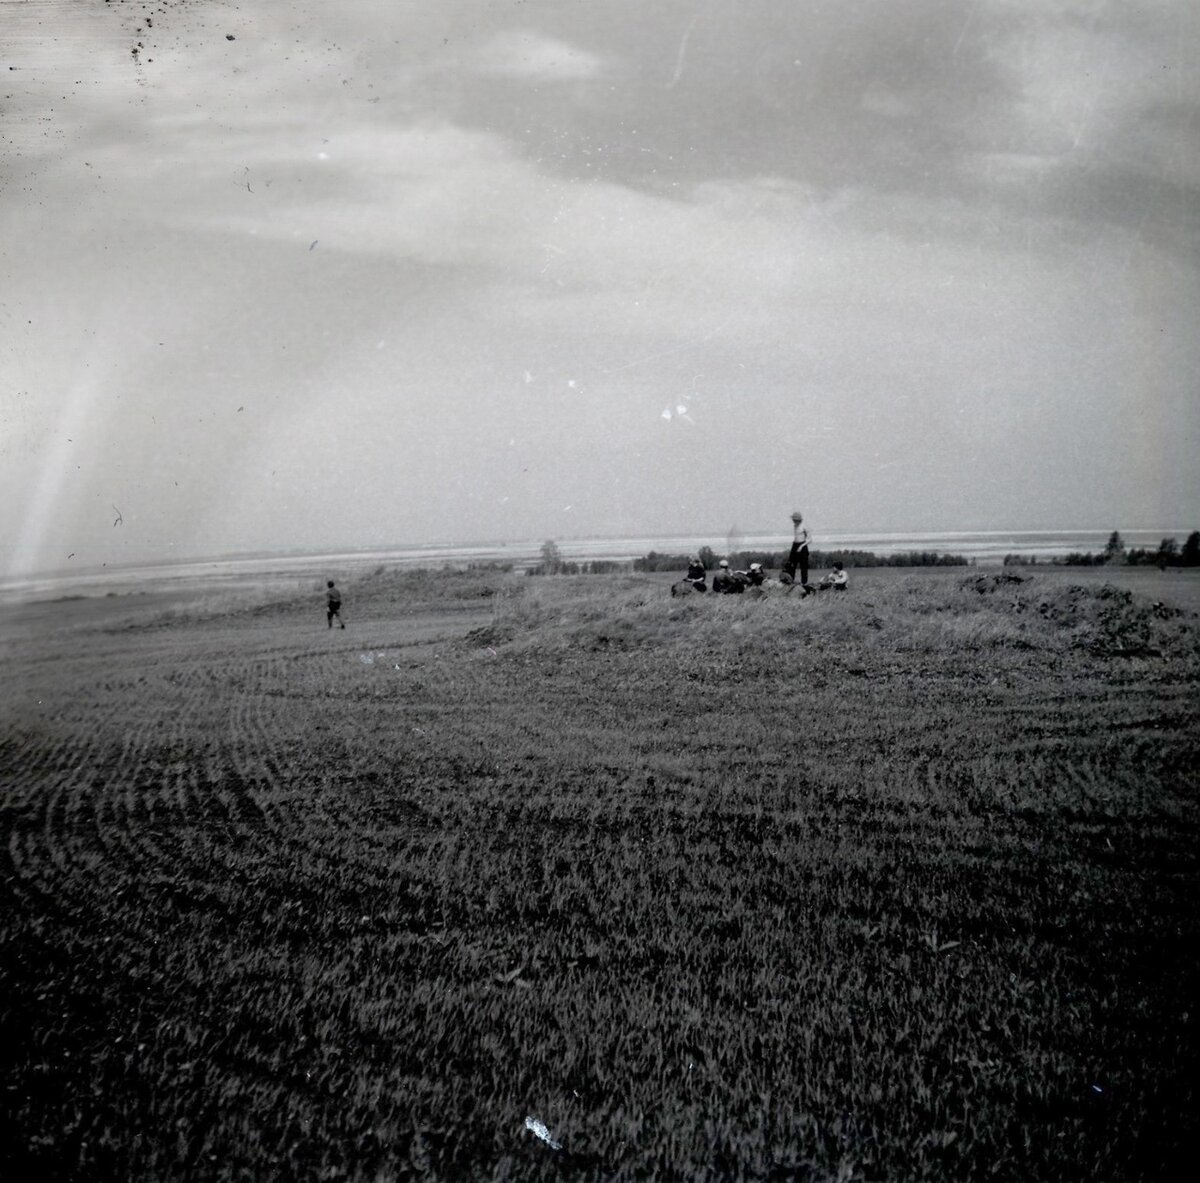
[721, 578]
[696, 574]
[333, 605]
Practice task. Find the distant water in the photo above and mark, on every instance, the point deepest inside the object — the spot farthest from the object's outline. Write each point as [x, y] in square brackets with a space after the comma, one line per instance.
[984, 547]
[987, 547]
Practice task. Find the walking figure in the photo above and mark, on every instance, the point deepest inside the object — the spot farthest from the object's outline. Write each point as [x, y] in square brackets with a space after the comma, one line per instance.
[333, 605]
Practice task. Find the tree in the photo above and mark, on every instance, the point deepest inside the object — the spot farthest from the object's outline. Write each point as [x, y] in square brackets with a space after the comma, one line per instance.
[1191, 550]
[707, 557]
[1114, 548]
[1168, 552]
[551, 557]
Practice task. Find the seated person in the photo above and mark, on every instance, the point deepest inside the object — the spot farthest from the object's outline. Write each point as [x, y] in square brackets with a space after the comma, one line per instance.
[754, 577]
[723, 580]
[836, 579]
[695, 573]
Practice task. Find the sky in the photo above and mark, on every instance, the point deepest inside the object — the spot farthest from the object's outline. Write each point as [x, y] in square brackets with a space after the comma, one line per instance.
[306, 275]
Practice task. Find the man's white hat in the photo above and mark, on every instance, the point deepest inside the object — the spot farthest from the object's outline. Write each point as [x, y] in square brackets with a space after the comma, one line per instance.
[723, 563]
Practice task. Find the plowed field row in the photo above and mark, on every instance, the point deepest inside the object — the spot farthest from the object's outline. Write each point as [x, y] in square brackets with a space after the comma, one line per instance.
[152, 768]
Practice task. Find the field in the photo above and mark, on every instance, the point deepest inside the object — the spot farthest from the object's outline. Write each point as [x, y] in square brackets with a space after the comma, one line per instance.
[893, 885]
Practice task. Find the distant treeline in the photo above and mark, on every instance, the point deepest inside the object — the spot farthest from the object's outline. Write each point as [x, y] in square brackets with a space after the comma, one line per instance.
[771, 559]
[1168, 553]
[588, 567]
[554, 564]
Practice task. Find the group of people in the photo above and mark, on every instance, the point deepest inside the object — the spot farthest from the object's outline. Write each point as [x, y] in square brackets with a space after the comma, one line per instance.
[730, 582]
[726, 581]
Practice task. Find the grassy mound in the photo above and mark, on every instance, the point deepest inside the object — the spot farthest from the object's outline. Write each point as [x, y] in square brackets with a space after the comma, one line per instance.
[932, 614]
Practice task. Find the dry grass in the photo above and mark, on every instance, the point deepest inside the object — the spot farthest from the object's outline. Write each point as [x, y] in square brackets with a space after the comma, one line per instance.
[891, 885]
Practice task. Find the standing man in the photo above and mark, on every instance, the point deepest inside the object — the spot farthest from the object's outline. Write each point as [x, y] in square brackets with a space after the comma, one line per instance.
[333, 605]
[799, 551]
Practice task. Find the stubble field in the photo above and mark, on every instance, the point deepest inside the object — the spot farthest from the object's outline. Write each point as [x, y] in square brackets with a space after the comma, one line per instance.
[893, 885]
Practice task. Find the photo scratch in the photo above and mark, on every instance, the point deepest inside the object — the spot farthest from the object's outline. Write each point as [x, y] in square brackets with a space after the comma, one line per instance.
[963, 31]
[679, 57]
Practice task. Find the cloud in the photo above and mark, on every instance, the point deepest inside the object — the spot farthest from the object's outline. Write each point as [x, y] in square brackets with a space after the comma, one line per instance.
[878, 232]
[535, 57]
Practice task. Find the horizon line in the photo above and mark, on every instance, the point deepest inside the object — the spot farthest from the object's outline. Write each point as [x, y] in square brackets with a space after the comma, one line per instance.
[298, 552]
